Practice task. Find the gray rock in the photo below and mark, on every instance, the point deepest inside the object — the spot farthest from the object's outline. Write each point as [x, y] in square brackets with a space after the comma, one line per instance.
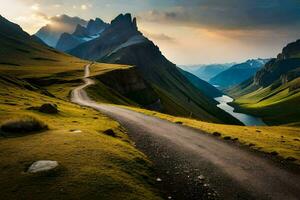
[201, 177]
[42, 165]
[49, 108]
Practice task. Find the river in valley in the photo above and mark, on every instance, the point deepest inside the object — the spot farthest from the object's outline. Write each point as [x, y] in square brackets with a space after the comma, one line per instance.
[248, 120]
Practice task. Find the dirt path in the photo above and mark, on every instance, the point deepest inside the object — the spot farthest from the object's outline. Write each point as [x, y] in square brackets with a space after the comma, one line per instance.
[193, 165]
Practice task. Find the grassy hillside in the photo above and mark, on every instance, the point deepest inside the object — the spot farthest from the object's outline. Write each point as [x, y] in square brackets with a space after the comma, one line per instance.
[274, 92]
[93, 165]
[93, 162]
[275, 106]
[280, 141]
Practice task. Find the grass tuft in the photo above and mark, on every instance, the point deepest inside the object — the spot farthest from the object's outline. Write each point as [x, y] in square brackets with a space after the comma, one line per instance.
[26, 124]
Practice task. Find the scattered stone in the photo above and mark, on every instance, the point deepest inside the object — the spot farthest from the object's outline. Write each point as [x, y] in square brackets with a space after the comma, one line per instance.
[33, 108]
[274, 153]
[110, 132]
[169, 197]
[201, 177]
[206, 185]
[75, 131]
[227, 138]
[292, 159]
[42, 165]
[217, 134]
[251, 145]
[158, 180]
[49, 108]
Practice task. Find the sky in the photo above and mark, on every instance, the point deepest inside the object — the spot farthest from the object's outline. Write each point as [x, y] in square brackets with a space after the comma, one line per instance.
[187, 32]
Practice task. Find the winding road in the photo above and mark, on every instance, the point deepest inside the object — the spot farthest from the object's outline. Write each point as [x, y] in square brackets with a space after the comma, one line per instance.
[193, 165]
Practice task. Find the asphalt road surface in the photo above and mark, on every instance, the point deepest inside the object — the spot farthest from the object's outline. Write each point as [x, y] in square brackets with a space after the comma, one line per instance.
[193, 165]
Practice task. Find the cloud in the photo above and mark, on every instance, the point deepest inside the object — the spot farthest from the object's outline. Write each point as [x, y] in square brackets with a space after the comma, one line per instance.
[230, 14]
[83, 7]
[35, 7]
[159, 36]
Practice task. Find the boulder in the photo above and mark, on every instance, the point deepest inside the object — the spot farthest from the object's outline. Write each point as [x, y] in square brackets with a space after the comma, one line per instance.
[42, 165]
[49, 108]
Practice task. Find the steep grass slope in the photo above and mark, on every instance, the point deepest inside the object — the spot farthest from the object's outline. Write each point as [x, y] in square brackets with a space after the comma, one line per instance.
[93, 163]
[273, 93]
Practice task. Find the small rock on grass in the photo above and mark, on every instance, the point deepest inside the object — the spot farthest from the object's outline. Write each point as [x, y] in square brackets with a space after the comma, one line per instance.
[110, 132]
[201, 177]
[48, 108]
[42, 165]
[158, 180]
[227, 138]
[217, 134]
[76, 131]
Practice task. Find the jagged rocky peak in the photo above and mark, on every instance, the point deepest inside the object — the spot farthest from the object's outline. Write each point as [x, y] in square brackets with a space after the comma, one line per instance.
[291, 50]
[80, 31]
[124, 20]
[96, 26]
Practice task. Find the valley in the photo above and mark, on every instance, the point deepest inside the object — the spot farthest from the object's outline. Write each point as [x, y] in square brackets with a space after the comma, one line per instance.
[118, 120]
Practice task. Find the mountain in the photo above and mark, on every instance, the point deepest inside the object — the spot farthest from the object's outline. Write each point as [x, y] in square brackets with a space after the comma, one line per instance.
[274, 92]
[81, 34]
[206, 72]
[122, 43]
[203, 86]
[237, 73]
[51, 33]
[122, 31]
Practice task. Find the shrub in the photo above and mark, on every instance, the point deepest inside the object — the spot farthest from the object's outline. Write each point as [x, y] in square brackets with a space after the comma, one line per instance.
[23, 125]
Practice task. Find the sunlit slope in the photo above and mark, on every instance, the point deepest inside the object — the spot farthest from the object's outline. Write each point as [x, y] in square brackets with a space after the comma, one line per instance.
[92, 163]
[274, 92]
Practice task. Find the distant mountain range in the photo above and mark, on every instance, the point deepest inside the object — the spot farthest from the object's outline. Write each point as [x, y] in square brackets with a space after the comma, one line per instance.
[274, 92]
[202, 85]
[206, 72]
[237, 73]
[81, 35]
[51, 33]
